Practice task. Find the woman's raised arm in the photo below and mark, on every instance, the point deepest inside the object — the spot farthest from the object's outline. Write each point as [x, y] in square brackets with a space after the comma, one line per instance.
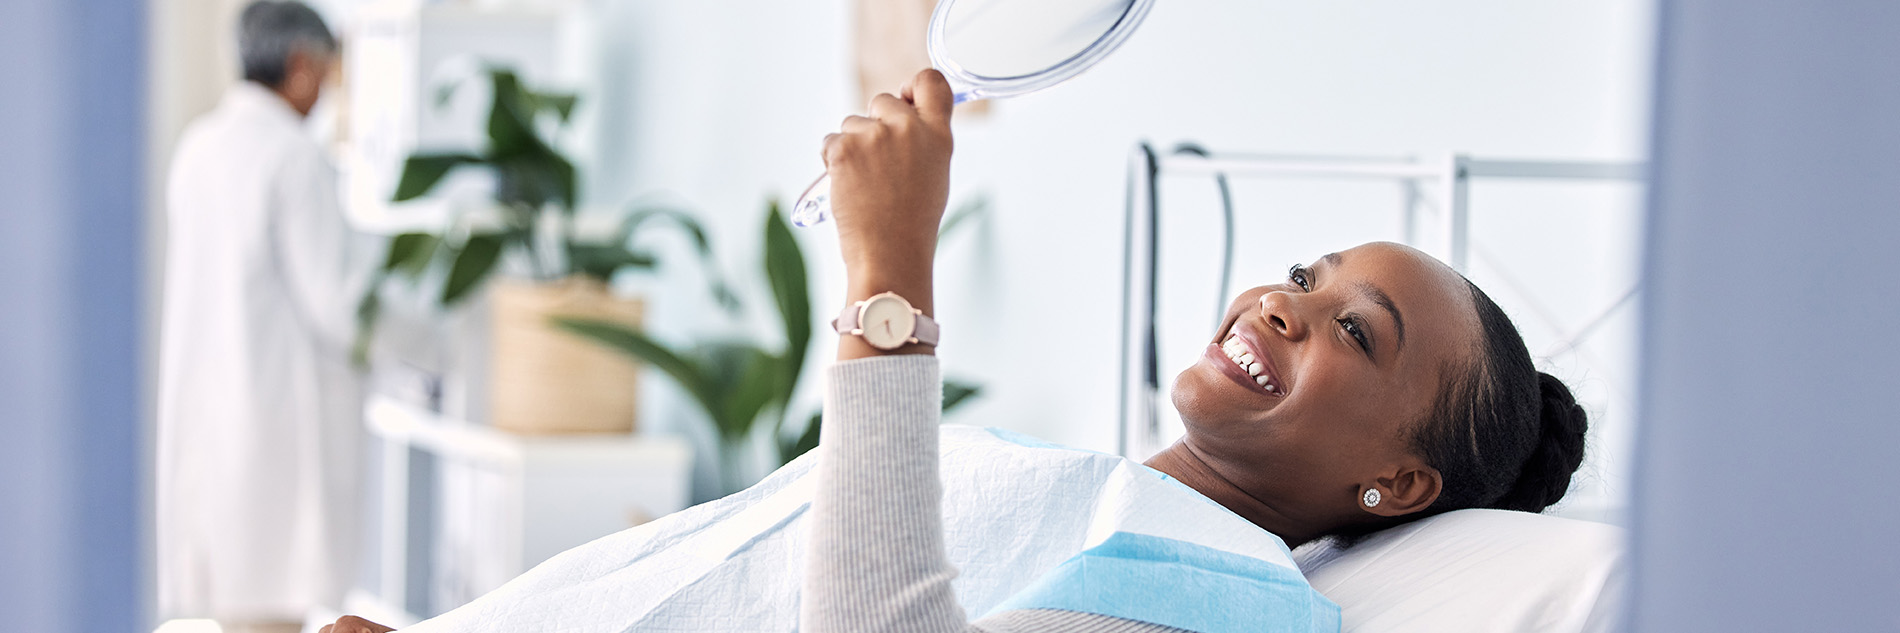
[877, 560]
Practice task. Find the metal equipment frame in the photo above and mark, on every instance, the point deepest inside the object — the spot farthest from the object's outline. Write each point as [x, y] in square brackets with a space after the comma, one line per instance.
[1138, 431]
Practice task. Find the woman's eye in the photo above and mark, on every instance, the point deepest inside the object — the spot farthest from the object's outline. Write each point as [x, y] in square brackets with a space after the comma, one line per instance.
[1300, 276]
[1357, 331]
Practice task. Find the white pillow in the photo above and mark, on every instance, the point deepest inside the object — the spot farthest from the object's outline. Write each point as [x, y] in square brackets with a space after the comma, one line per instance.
[1475, 571]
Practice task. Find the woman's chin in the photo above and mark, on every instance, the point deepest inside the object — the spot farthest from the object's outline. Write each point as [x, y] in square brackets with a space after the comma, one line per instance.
[1204, 395]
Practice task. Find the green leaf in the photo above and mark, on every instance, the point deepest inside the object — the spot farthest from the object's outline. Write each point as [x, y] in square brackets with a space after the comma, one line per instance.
[741, 380]
[510, 117]
[760, 385]
[956, 393]
[806, 441]
[561, 104]
[472, 264]
[724, 295]
[445, 92]
[421, 172]
[785, 267]
[976, 208]
[630, 227]
[368, 310]
[601, 261]
[536, 178]
[690, 376]
[409, 253]
[566, 180]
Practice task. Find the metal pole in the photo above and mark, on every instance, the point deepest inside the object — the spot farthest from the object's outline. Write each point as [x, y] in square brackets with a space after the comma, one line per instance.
[1457, 216]
[1137, 427]
[1299, 168]
[395, 522]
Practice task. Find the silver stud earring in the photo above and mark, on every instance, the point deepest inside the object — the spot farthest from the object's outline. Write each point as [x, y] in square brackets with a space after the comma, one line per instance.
[1372, 497]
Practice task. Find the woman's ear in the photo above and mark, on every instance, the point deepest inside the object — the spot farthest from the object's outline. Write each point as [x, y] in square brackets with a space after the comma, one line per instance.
[1410, 488]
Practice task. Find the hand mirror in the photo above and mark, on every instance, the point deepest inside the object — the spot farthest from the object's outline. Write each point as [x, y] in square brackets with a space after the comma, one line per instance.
[990, 49]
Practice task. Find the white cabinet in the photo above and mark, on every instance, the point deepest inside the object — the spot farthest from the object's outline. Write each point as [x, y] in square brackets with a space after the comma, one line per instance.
[502, 503]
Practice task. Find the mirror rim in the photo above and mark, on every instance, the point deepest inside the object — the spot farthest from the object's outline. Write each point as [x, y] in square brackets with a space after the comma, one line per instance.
[971, 86]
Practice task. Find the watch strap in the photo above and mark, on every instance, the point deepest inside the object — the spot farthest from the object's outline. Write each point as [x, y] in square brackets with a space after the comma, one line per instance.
[926, 332]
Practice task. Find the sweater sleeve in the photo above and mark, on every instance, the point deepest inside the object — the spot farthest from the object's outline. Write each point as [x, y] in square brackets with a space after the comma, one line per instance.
[877, 561]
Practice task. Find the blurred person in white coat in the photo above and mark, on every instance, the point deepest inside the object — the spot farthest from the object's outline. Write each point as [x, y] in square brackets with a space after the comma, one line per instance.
[259, 409]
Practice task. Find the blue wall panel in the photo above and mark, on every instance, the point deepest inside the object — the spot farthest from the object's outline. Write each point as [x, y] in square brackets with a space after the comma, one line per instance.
[1771, 360]
[71, 192]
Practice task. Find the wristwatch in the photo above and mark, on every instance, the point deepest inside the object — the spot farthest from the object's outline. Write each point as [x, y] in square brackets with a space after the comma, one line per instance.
[887, 322]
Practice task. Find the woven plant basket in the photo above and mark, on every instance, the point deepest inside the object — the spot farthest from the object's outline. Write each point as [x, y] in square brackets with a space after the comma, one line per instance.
[546, 380]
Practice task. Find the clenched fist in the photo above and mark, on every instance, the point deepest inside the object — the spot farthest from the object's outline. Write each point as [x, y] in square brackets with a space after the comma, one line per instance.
[890, 179]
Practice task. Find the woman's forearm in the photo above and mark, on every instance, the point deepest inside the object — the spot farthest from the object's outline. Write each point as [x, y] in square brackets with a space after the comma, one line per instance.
[877, 560]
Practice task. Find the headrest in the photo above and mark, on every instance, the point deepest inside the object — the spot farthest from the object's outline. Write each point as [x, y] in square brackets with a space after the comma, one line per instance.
[1475, 571]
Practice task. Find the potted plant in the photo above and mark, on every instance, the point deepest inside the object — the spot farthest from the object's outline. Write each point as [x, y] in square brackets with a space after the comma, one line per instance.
[542, 381]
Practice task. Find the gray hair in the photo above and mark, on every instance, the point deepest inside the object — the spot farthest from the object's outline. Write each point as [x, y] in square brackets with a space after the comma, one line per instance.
[270, 30]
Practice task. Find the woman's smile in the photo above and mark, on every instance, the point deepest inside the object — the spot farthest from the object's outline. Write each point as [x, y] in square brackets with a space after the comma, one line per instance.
[1242, 358]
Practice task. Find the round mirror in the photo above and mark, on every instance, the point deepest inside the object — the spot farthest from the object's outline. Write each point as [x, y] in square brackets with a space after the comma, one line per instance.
[1003, 48]
[999, 48]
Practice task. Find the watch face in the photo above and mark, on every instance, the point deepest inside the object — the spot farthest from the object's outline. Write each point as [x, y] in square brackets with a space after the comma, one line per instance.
[887, 322]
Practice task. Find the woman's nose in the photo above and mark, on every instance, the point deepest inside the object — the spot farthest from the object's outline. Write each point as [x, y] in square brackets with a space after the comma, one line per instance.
[1280, 309]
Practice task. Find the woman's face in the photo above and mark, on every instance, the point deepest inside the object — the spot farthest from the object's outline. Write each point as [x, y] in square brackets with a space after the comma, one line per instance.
[1343, 356]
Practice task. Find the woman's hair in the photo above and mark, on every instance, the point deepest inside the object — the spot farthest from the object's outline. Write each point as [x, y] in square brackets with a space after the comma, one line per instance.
[1501, 434]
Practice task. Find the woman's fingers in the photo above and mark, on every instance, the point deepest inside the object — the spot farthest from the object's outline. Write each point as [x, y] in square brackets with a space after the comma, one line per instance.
[889, 109]
[890, 176]
[836, 143]
[928, 96]
[855, 124]
[824, 149]
[933, 97]
[353, 624]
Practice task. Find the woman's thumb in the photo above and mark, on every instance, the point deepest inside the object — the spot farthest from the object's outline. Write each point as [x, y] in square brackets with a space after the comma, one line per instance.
[930, 92]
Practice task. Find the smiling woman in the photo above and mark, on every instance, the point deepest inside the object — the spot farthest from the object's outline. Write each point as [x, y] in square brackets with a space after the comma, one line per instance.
[1374, 388]
[1316, 412]
[1371, 389]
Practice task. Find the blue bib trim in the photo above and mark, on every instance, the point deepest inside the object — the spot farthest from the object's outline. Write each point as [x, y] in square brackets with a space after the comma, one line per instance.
[1183, 585]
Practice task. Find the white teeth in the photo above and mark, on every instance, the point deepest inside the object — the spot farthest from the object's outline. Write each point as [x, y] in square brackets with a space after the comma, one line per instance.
[1243, 357]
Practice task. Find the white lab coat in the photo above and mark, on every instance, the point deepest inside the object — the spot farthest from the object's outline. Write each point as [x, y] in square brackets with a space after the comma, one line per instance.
[259, 411]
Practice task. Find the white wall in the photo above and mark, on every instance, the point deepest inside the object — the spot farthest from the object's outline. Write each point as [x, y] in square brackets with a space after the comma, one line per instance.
[724, 103]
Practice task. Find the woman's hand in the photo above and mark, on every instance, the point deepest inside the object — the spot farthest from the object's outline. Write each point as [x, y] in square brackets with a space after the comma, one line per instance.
[353, 624]
[890, 178]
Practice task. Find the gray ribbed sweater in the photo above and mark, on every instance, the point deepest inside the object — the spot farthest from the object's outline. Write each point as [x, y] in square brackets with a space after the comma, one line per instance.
[877, 560]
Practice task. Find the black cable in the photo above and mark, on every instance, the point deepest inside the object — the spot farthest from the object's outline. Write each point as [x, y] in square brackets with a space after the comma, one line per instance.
[1151, 371]
[1151, 365]
[1227, 232]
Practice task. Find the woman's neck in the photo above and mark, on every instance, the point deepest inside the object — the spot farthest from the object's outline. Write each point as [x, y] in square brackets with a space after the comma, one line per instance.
[1182, 462]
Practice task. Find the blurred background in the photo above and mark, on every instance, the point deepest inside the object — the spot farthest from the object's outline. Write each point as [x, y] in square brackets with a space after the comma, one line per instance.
[494, 437]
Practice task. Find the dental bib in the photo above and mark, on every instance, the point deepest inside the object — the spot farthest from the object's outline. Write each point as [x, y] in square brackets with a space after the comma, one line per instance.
[1029, 525]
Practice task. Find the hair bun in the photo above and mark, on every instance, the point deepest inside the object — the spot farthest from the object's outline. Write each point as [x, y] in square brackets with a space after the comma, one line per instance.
[1546, 474]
